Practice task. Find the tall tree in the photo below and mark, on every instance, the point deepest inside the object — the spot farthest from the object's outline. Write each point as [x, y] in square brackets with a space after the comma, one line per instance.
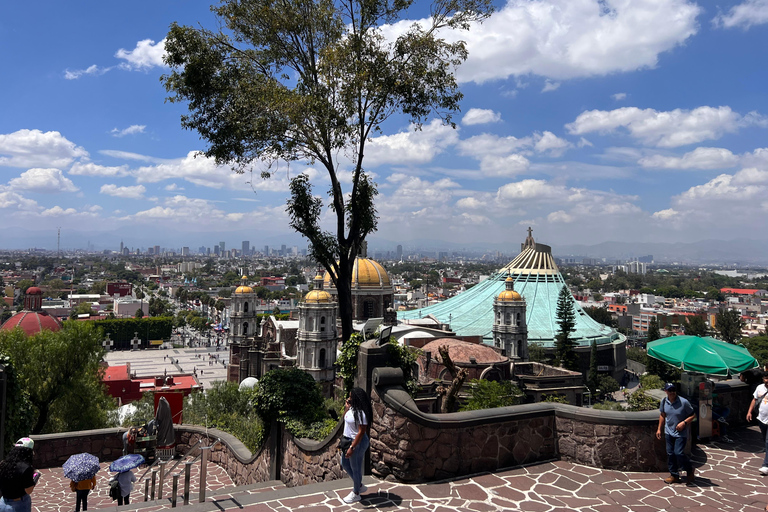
[729, 324]
[695, 326]
[313, 81]
[653, 330]
[55, 367]
[565, 346]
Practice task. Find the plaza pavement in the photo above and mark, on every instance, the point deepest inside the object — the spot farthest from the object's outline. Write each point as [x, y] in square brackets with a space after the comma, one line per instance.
[727, 479]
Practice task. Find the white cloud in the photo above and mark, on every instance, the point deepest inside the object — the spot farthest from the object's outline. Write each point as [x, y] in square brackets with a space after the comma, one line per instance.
[127, 155]
[550, 85]
[192, 214]
[507, 166]
[196, 168]
[549, 142]
[74, 74]
[34, 148]
[91, 169]
[699, 158]
[46, 181]
[136, 192]
[131, 130]
[619, 96]
[667, 214]
[560, 216]
[486, 144]
[10, 200]
[412, 146]
[744, 15]
[146, 55]
[172, 187]
[563, 39]
[480, 116]
[665, 129]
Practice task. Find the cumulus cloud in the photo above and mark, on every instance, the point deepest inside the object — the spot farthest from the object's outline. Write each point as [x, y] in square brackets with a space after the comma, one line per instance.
[46, 181]
[550, 85]
[507, 156]
[91, 169]
[131, 130]
[619, 96]
[699, 158]
[146, 55]
[563, 39]
[665, 129]
[13, 201]
[190, 214]
[412, 146]
[480, 116]
[34, 148]
[744, 15]
[549, 142]
[93, 70]
[504, 166]
[136, 192]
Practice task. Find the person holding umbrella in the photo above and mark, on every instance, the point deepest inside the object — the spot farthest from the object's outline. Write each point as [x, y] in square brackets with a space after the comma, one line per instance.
[81, 469]
[125, 477]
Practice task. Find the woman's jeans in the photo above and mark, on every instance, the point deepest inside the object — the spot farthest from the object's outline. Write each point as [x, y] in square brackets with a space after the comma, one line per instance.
[82, 497]
[22, 505]
[354, 465]
[764, 437]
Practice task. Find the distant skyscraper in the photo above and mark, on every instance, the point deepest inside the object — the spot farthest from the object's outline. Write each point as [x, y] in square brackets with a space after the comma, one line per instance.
[216, 250]
[282, 250]
[185, 251]
[246, 247]
[157, 250]
[399, 252]
[121, 247]
[201, 250]
[222, 247]
[266, 250]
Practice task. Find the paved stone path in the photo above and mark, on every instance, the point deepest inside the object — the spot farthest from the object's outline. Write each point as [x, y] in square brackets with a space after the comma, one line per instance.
[727, 480]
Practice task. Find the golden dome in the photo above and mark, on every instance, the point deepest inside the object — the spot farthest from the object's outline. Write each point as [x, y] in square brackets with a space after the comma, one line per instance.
[509, 295]
[366, 273]
[317, 296]
[244, 288]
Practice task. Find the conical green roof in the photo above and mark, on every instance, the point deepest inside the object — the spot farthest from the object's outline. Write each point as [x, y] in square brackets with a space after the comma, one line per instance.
[539, 281]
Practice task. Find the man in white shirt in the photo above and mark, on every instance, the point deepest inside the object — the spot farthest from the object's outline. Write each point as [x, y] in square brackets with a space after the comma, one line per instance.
[761, 397]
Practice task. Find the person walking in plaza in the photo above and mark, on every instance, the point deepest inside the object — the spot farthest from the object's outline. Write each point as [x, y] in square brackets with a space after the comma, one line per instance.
[18, 478]
[125, 479]
[760, 399]
[675, 415]
[81, 490]
[358, 415]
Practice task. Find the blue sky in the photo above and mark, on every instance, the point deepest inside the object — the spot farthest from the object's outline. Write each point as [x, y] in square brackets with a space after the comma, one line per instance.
[617, 120]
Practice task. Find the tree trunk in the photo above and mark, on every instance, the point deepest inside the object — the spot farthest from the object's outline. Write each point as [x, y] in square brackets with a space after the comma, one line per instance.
[42, 417]
[459, 376]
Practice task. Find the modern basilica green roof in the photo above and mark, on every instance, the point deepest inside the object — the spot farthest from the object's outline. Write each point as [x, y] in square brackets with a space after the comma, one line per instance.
[539, 281]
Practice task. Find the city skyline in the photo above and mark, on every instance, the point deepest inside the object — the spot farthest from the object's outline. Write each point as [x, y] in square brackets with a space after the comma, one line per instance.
[592, 122]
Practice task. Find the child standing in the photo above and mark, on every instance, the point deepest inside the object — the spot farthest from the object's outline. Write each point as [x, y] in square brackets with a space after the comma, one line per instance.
[81, 489]
[125, 479]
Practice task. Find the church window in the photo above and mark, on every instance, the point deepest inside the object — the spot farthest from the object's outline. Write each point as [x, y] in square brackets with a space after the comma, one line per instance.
[509, 319]
[368, 309]
[245, 307]
[498, 342]
[322, 320]
[498, 317]
[245, 328]
[310, 324]
[321, 359]
[518, 319]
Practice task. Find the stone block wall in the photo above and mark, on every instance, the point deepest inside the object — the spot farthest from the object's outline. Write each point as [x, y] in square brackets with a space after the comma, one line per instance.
[53, 450]
[306, 462]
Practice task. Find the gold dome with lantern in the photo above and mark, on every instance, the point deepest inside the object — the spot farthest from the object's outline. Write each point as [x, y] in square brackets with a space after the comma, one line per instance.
[372, 290]
[243, 288]
[318, 295]
[509, 294]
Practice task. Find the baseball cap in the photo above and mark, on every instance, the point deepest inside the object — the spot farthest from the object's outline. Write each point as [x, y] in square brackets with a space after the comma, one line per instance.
[25, 442]
[670, 387]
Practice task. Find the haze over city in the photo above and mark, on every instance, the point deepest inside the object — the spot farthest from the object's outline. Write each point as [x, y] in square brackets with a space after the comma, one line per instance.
[637, 121]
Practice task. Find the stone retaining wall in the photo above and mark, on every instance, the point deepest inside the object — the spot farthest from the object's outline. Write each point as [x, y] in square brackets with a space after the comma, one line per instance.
[306, 462]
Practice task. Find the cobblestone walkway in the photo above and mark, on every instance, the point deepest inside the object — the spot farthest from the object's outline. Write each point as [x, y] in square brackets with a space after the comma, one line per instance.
[727, 479]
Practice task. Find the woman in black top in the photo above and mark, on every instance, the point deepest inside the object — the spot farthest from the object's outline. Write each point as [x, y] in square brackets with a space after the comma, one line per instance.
[17, 480]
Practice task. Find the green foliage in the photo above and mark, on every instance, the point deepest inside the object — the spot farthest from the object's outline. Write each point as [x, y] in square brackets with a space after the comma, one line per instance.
[653, 330]
[19, 412]
[649, 381]
[758, 347]
[488, 394]
[346, 361]
[60, 372]
[639, 401]
[122, 330]
[695, 326]
[565, 346]
[145, 411]
[608, 406]
[288, 393]
[555, 398]
[601, 314]
[637, 354]
[404, 358]
[729, 324]
[139, 314]
[607, 384]
[225, 407]
[537, 353]
[317, 430]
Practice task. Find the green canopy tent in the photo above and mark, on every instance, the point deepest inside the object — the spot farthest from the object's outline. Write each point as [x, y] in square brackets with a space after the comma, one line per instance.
[702, 355]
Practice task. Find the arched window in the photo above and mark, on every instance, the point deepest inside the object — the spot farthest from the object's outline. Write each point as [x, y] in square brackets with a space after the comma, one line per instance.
[310, 324]
[245, 307]
[321, 359]
[245, 328]
[518, 319]
[322, 320]
[509, 319]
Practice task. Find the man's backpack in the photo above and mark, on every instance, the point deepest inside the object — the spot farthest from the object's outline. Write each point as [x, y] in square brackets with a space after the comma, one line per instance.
[114, 489]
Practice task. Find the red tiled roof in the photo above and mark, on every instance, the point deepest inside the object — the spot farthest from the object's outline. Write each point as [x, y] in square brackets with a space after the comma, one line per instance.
[461, 351]
[32, 322]
[740, 291]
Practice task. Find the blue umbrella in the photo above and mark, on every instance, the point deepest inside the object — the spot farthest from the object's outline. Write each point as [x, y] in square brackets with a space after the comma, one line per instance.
[82, 466]
[127, 462]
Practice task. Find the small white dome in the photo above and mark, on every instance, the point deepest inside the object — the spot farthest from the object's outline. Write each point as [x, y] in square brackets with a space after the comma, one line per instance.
[248, 383]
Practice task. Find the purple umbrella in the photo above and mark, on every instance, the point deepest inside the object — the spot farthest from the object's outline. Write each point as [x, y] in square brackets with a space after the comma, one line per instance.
[127, 462]
[82, 466]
